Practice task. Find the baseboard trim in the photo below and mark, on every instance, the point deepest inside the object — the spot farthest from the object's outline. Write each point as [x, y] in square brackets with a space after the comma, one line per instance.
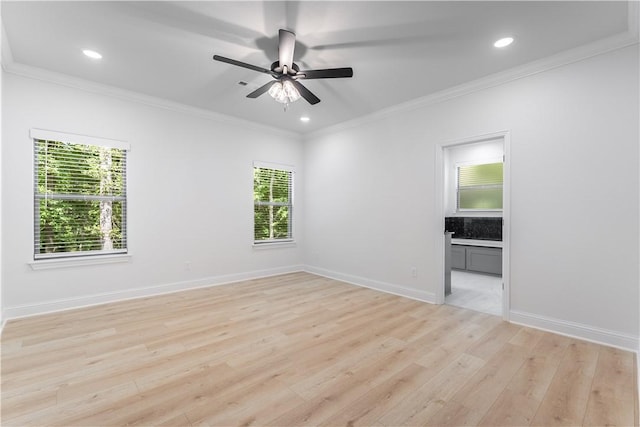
[638, 378]
[28, 310]
[374, 284]
[576, 330]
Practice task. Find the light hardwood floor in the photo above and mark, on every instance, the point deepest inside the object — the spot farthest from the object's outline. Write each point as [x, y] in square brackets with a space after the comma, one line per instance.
[299, 349]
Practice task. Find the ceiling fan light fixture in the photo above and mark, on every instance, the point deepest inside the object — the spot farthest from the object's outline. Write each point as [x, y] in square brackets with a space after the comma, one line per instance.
[284, 92]
[287, 87]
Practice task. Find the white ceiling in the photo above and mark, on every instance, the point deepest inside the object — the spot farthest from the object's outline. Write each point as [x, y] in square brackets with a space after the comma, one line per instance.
[399, 51]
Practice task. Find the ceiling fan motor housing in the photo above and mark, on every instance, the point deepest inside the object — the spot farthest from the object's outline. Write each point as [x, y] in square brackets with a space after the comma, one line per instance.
[275, 67]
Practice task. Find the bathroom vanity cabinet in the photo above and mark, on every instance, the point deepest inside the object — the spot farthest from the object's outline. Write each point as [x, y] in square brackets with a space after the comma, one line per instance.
[477, 259]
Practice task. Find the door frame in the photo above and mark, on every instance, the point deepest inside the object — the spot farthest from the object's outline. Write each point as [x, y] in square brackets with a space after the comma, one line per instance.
[506, 214]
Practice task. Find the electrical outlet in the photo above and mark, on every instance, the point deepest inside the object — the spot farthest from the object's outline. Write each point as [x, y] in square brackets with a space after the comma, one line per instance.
[414, 272]
[187, 266]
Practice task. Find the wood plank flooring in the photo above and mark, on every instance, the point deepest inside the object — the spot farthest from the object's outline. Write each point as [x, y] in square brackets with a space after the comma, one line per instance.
[297, 350]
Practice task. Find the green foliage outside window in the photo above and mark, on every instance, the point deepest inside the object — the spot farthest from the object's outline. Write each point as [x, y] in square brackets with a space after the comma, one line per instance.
[272, 195]
[80, 199]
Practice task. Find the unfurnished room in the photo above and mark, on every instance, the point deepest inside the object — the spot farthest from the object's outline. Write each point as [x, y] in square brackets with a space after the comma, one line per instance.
[319, 213]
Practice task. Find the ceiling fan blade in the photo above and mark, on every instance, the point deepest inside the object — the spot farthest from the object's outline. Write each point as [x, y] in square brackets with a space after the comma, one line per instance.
[306, 93]
[262, 89]
[285, 48]
[243, 65]
[331, 73]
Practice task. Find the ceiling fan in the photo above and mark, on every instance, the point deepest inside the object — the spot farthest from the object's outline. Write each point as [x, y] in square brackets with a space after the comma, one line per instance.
[286, 88]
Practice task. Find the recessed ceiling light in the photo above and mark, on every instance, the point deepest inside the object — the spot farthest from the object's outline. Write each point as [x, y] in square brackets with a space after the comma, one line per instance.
[92, 54]
[504, 42]
[304, 119]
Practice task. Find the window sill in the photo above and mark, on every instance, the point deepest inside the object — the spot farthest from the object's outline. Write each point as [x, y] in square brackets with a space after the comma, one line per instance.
[467, 211]
[46, 264]
[494, 213]
[275, 245]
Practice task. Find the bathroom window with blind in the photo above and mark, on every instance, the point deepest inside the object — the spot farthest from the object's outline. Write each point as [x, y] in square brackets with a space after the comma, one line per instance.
[272, 203]
[480, 187]
[80, 195]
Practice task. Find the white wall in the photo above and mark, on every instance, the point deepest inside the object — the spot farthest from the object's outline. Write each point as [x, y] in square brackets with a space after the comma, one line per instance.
[189, 191]
[574, 195]
[482, 152]
[1, 143]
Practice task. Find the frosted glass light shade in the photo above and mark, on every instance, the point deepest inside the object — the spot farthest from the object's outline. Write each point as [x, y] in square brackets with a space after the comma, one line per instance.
[284, 92]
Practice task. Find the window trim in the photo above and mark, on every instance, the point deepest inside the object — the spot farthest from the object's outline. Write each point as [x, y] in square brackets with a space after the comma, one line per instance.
[457, 187]
[64, 259]
[50, 135]
[290, 241]
[79, 261]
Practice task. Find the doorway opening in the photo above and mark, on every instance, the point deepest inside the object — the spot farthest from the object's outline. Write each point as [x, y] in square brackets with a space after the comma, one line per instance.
[473, 216]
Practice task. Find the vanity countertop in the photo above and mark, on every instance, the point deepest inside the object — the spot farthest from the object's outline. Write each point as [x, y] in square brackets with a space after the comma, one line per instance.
[473, 242]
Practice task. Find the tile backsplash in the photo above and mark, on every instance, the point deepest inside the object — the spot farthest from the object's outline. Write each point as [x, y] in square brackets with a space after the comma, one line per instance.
[481, 228]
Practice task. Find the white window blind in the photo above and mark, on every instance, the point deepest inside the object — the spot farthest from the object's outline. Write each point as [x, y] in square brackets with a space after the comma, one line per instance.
[80, 198]
[273, 203]
[480, 186]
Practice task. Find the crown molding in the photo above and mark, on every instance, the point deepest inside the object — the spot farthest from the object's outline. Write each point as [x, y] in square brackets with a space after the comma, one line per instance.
[100, 89]
[6, 56]
[633, 16]
[561, 59]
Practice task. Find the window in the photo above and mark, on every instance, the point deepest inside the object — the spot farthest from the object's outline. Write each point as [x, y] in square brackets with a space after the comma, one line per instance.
[273, 203]
[480, 187]
[80, 200]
